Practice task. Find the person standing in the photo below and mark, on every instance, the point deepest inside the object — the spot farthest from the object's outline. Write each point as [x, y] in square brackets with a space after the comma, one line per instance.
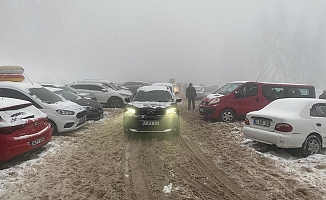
[191, 94]
[323, 95]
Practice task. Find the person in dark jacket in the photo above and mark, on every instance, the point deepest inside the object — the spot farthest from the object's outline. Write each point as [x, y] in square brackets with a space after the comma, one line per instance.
[191, 94]
[323, 95]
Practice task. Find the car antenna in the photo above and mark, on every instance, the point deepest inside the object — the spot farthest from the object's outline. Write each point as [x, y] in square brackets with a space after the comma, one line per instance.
[28, 79]
[258, 77]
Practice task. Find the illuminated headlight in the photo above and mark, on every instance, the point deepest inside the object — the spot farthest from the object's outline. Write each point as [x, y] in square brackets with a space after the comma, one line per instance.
[65, 112]
[130, 111]
[214, 101]
[89, 108]
[171, 111]
[125, 95]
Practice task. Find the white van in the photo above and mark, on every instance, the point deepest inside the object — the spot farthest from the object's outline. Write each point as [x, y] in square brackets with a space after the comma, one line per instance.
[103, 94]
[63, 115]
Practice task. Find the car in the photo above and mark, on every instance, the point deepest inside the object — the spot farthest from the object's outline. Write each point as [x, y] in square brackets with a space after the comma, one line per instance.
[115, 86]
[289, 123]
[94, 110]
[170, 85]
[200, 92]
[63, 115]
[23, 128]
[152, 109]
[235, 99]
[70, 89]
[134, 85]
[103, 94]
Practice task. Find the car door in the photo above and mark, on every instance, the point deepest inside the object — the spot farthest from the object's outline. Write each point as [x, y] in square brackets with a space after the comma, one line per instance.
[318, 112]
[101, 93]
[247, 99]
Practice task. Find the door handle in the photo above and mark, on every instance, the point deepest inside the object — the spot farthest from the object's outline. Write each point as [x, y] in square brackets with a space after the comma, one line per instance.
[318, 124]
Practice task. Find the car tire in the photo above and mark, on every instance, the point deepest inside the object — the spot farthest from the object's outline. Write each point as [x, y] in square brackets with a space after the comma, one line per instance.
[227, 115]
[54, 127]
[115, 102]
[312, 145]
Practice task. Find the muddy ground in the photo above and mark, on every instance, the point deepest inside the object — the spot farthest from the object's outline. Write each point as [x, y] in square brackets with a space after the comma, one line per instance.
[207, 161]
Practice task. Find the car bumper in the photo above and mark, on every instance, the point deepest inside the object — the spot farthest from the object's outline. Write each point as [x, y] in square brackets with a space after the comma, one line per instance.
[71, 122]
[91, 115]
[161, 124]
[13, 146]
[206, 111]
[283, 140]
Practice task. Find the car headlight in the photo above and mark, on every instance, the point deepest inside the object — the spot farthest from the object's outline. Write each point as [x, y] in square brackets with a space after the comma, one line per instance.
[130, 111]
[65, 112]
[89, 107]
[214, 101]
[171, 111]
[125, 95]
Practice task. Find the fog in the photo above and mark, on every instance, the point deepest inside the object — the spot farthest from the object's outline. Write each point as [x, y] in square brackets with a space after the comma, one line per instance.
[208, 42]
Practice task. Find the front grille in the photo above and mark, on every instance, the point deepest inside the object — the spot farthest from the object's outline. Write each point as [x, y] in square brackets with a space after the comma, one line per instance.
[150, 111]
[81, 114]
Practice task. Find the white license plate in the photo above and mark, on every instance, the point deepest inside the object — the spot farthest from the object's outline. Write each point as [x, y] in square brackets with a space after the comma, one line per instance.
[37, 141]
[262, 122]
[151, 123]
[83, 119]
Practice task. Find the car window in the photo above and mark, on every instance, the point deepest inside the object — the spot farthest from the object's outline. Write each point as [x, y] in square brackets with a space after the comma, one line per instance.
[227, 88]
[67, 95]
[5, 92]
[44, 95]
[248, 90]
[154, 95]
[318, 110]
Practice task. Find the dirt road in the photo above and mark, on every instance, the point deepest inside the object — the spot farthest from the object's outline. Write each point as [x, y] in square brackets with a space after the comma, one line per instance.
[207, 161]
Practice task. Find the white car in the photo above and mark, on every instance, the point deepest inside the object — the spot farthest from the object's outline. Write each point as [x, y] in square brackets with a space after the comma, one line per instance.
[63, 115]
[289, 123]
[103, 94]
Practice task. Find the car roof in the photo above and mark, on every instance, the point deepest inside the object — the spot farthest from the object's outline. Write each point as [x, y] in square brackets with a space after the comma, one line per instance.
[87, 83]
[52, 89]
[6, 102]
[19, 85]
[153, 87]
[161, 83]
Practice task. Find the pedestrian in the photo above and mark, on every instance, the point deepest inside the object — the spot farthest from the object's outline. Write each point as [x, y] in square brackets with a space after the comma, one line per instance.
[191, 95]
[323, 95]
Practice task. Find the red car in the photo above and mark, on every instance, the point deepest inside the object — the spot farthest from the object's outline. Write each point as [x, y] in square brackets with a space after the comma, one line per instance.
[23, 127]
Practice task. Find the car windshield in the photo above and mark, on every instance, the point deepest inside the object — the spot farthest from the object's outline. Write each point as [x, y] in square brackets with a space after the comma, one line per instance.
[67, 95]
[44, 95]
[153, 95]
[69, 89]
[228, 88]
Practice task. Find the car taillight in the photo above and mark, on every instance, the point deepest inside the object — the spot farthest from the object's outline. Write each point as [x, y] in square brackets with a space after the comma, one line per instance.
[283, 127]
[247, 121]
[10, 129]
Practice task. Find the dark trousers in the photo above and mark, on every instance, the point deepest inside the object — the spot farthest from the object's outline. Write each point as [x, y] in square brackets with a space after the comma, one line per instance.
[191, 101]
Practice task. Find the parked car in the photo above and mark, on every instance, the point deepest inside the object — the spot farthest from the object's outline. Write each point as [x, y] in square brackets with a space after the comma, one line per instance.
[94, 110]
[134, 85]
[23, 128]
[103, 94]
[70, 89]
[152, 109]
[114, 86]
[235, 99]
[289, 123]
[63, 115]
[170, 85]
[200, 92]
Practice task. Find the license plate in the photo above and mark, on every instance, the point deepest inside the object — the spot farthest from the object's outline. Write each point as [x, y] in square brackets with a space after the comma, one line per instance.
[83, 119]
[262, 122]
[151, 123]
[37, 141]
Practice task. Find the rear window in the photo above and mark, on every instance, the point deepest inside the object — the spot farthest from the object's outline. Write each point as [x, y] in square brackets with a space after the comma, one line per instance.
[279, 92]
[44, 95]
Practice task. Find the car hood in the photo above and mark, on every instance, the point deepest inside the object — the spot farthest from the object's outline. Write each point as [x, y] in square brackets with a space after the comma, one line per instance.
[66, 105]
[151, 104]
[127, 92]
[212, 96]
[87, 102]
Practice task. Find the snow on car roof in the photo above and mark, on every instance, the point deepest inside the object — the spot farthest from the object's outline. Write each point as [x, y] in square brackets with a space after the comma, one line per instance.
[52, 89]
[25, 86]
[153, 87]
[9, 102]
[166, 84]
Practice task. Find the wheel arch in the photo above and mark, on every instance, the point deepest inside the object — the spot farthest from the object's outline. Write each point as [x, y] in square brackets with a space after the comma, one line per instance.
[317, 135]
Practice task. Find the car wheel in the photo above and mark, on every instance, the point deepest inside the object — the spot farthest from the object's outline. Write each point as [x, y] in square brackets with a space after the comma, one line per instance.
[311, 145]
[115, 102]
[53, 127]
[227, 115]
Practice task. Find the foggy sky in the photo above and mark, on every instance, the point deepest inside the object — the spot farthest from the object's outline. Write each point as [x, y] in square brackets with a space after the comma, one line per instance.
[208, 41]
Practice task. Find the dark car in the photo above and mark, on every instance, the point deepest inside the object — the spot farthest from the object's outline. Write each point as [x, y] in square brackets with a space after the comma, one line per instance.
[152, 109]
[94, 110]
[134, 85]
